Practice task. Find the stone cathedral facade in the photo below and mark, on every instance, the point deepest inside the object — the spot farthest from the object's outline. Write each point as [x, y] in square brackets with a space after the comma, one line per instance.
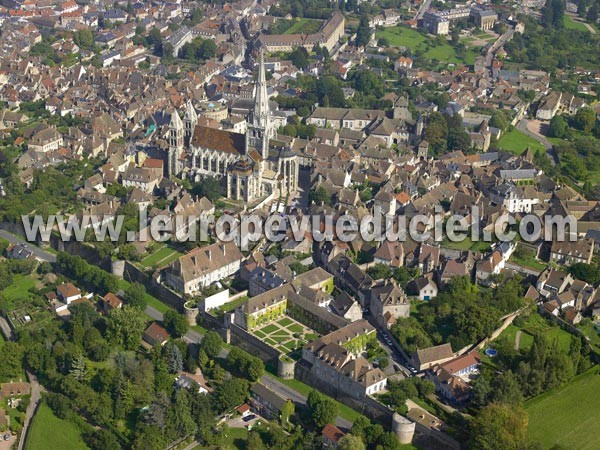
[251, 165]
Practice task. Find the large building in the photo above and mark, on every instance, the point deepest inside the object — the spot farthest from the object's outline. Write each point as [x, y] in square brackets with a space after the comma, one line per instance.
[328, 36]
[335, 360]
[253, 165]
[203, 266]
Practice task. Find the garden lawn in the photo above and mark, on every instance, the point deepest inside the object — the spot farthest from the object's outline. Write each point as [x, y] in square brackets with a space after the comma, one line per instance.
[304, 26]
[569, 415]
[19, 288]
[235, 439]
[406, 37]
[571, 24]
[516, 142]
[162, 257]
[48, 431]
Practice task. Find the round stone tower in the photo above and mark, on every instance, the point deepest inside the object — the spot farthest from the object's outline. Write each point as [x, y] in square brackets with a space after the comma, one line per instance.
[191, 312]
[117, 268]
[404, 428]
[285, 367]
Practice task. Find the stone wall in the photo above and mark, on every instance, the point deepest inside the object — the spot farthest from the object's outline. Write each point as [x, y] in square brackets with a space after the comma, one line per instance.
[253, 345]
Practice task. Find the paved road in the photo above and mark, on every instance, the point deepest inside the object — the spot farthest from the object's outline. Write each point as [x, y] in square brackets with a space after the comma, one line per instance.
[422, 9]
[36, 390]
[191, 336]
[6, 329]
[522, 126]
[38, 252]
[286, 392]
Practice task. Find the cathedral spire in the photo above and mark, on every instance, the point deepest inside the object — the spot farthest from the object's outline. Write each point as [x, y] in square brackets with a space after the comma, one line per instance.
[261, 100]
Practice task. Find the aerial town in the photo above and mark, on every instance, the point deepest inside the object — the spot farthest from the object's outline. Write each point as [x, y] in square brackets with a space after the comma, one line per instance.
[477, 327]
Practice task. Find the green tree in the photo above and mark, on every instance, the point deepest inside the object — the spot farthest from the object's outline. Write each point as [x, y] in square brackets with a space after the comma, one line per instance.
[350, 442]
[299, 57]
[558, 127]
[212, 343]
[323, 410]
[230, 393]
[175, 323]
[208, 187]
[320, 195]
[125, 326]
[363, 33]
[287, 412]
[135, 295]
[585, 119]
[499, 426]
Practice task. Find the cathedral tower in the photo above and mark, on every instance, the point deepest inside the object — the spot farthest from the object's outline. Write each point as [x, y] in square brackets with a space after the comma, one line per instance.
[176, 132]
[190, 119]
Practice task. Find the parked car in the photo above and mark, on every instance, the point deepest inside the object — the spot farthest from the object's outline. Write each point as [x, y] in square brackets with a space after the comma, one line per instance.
[249, 417]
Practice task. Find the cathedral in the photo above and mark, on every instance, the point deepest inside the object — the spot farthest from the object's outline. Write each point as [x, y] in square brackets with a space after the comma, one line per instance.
[253, 165]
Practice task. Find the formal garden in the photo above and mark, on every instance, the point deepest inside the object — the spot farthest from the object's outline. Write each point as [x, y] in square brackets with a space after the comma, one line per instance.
[286, 334]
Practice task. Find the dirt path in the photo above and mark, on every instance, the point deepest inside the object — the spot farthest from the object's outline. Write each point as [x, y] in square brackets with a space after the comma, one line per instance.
[518, 340]
[589, 27]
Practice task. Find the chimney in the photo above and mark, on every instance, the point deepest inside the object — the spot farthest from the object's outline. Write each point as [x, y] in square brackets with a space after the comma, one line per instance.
[224, 249]
[193, 260]
[208, 254]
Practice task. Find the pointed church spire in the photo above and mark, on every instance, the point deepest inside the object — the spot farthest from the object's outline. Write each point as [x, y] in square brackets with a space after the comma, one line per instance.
[190, 112]
[176, 122]
[261, 100]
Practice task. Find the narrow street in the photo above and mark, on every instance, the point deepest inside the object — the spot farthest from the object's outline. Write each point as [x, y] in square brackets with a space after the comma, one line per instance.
[36, 390]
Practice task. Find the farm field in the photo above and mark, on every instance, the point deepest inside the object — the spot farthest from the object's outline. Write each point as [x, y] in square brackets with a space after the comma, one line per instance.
[429, 48]
[568, 415]
[48, 431]
[516, 142]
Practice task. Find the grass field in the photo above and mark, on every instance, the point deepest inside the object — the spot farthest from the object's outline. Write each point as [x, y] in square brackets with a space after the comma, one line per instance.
[516, 142]
[421, 43]
[467, 244]
[571, 24]
[19, 288]
[569, 415]
[537, 324]
[48, 431]
[160, 258]
[235, 439]
[304, 26]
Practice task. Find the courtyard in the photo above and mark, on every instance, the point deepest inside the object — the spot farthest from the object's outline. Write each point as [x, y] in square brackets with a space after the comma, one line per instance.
[286, 334]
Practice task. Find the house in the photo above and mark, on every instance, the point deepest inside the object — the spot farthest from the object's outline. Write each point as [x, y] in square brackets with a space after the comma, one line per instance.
[568, 253]
[68, 292]
[155, 334]
[429, 258]
[14, 389]
[331, 436]
[343, 305]
[266, 402]
[110, 301]
[142, 178]
[19, 251]
[423, 287]
[426, 358]
[388, 303]
[553, 282]
[390, 253]
[192, 381]
[203, 266]
[243, 410]
[45, 140]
